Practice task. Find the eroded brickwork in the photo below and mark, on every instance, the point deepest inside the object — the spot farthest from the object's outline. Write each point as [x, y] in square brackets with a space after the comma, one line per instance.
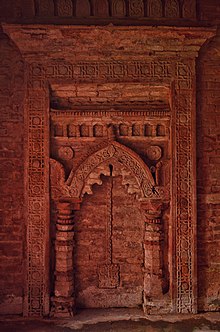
[208, 168]
[12, 236]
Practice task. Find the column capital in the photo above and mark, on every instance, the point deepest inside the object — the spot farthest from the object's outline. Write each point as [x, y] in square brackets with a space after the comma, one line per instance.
[153, 209]
[64, 207]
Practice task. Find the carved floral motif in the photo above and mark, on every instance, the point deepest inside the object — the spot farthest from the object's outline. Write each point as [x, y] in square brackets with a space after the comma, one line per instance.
[154, 152]
[66, 152]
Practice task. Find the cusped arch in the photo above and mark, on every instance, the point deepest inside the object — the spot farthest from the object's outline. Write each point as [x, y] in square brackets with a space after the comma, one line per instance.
[124, 159]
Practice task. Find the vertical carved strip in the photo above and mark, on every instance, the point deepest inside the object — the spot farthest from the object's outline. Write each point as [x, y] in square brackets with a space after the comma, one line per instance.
[185, 183]
[37, 198]
[63, 303]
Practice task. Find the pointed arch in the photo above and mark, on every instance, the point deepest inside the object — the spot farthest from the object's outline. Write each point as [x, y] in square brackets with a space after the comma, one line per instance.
[114, 151]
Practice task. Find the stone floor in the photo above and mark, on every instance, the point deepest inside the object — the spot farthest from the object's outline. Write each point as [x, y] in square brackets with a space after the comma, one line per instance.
[115, 320]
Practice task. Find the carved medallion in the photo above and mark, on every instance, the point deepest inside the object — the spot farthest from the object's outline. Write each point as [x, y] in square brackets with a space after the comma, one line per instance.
[154, 152]
[108, 275]
[66, 152]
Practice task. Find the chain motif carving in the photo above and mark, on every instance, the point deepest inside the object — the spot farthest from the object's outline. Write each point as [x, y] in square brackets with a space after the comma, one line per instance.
[109, 71]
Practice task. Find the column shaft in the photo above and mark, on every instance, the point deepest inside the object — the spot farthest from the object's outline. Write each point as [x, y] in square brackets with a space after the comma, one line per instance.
[63, 302]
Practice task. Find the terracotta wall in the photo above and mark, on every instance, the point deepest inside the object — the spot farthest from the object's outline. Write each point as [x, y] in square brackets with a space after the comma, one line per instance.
[12, 238]
[208, 172]
[12, 221]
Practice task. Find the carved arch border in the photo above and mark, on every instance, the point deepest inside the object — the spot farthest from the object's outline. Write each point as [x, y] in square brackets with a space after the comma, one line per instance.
[77, 180]
[183, 186]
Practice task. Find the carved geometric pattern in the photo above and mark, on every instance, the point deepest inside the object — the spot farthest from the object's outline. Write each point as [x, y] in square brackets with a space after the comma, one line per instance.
[184, 189]
[108, 70]
[112, 71]
[37, 300]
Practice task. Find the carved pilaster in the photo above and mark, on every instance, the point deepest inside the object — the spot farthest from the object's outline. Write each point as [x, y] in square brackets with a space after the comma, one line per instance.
[63, 302]
[153, 239]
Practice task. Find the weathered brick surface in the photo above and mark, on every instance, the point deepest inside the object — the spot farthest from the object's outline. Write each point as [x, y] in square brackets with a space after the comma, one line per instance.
[210, 10]
[11, 178]
[208, 174]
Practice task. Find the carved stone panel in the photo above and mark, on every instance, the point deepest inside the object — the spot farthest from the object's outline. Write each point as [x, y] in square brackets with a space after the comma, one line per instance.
[155, 8]
[118, 8]
[108, 276]
[64, 8]
[136, 8]
[83, 8]
[172, 9]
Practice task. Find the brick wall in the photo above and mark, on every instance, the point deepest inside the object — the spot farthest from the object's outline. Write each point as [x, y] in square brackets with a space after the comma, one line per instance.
[208, 176]
[92, 246]
[11, 178]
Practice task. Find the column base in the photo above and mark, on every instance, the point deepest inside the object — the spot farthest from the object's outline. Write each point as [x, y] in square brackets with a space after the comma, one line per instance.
[156, 307]
[62, 307]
